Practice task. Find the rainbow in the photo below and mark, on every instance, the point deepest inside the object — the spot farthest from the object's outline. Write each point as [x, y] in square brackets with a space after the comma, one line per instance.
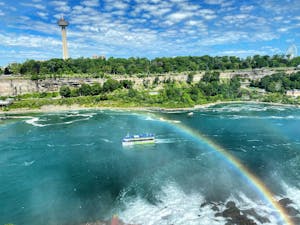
[255, 182]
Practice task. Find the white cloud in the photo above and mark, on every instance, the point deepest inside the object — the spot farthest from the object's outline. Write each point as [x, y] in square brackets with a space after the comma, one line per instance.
[192, 22]
[43, 15]
[234, 19]
[224, 38]
[207, 14]
[265, 36]
[61, 6]
[120, 5]
[283, 29]
[178, 16]
[28, 41]
[246, 8]
[242, 53]
[222, 3]
[280, 6]
[34, 5]
[214, 2]
[91, 3]
[231, 37]
[2, 13]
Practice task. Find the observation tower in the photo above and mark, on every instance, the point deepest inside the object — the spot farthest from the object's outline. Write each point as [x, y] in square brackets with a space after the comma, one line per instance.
[63, 24]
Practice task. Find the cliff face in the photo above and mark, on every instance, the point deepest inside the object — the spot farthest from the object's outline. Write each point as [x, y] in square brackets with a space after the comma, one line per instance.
[12, 86]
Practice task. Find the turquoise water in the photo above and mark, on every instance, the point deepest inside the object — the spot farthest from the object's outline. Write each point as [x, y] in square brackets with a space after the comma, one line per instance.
[70, 168]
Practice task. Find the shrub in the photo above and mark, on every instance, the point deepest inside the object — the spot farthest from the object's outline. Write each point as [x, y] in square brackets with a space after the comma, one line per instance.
[65, 91]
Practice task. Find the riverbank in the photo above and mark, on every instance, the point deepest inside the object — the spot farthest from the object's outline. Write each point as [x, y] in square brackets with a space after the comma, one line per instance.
[74, 107]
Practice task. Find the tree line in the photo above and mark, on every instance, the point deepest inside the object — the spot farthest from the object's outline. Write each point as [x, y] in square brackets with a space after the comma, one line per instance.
[99, 67]
[279, 82]
[188, 93]
[109, 85]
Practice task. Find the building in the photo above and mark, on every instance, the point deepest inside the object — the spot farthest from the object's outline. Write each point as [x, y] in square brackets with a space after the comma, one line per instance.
[98, 57]
[293, 93]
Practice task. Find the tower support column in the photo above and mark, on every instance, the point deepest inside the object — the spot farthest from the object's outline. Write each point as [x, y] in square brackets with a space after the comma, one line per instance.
[64, 42]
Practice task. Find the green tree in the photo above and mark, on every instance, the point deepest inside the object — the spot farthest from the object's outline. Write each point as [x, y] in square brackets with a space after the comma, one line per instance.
[15, 68]
[156, 80]
[96, 89]
[7, 71]
[190, 78]
[211, 76]
[75, 92]
[110, 85]
[65, 91]
[186, 98]
[85, 90]
[132, 93]
[128, 84]
[34, 76]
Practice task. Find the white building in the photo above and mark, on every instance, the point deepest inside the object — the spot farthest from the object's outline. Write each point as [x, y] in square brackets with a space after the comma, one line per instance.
[293, 93]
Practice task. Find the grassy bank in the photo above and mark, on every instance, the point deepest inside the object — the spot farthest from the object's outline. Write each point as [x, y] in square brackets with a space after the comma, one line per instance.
[95, 102]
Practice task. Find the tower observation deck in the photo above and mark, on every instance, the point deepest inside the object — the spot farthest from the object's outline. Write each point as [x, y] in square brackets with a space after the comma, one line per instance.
[63, 24]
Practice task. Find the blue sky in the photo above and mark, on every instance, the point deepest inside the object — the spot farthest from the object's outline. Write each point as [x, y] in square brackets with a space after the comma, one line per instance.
[147, 28]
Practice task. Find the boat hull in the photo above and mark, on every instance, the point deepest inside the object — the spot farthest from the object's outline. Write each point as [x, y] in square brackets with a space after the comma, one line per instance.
[130, 143]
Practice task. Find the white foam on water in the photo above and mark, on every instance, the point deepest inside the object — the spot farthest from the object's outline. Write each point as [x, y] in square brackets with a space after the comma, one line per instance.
[169, 140]
[29, 163]
[261, 208]
[19, 117]
[170, 121]
[293, 193]
[244, 107]
[72, 121]
[237, 117]
[175, 207]
[149, 118]
[180, 208]
[106, 140]
[254, 140]
[34, 121]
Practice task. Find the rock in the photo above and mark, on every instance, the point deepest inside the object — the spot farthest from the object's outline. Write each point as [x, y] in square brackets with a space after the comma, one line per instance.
[285, 202]
[215, 208]
[235, 216]
[260, 218]
[218, 214]
[204, 204]
[292, 211]
[214, 205]
[296, 220]
[230, 204]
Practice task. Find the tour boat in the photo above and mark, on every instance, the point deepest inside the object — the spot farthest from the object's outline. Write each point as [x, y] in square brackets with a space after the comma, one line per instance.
[138, 139]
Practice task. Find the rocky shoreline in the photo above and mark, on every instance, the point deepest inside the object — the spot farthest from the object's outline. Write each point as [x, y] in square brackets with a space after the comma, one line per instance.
[232, 214]
[236, 216]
